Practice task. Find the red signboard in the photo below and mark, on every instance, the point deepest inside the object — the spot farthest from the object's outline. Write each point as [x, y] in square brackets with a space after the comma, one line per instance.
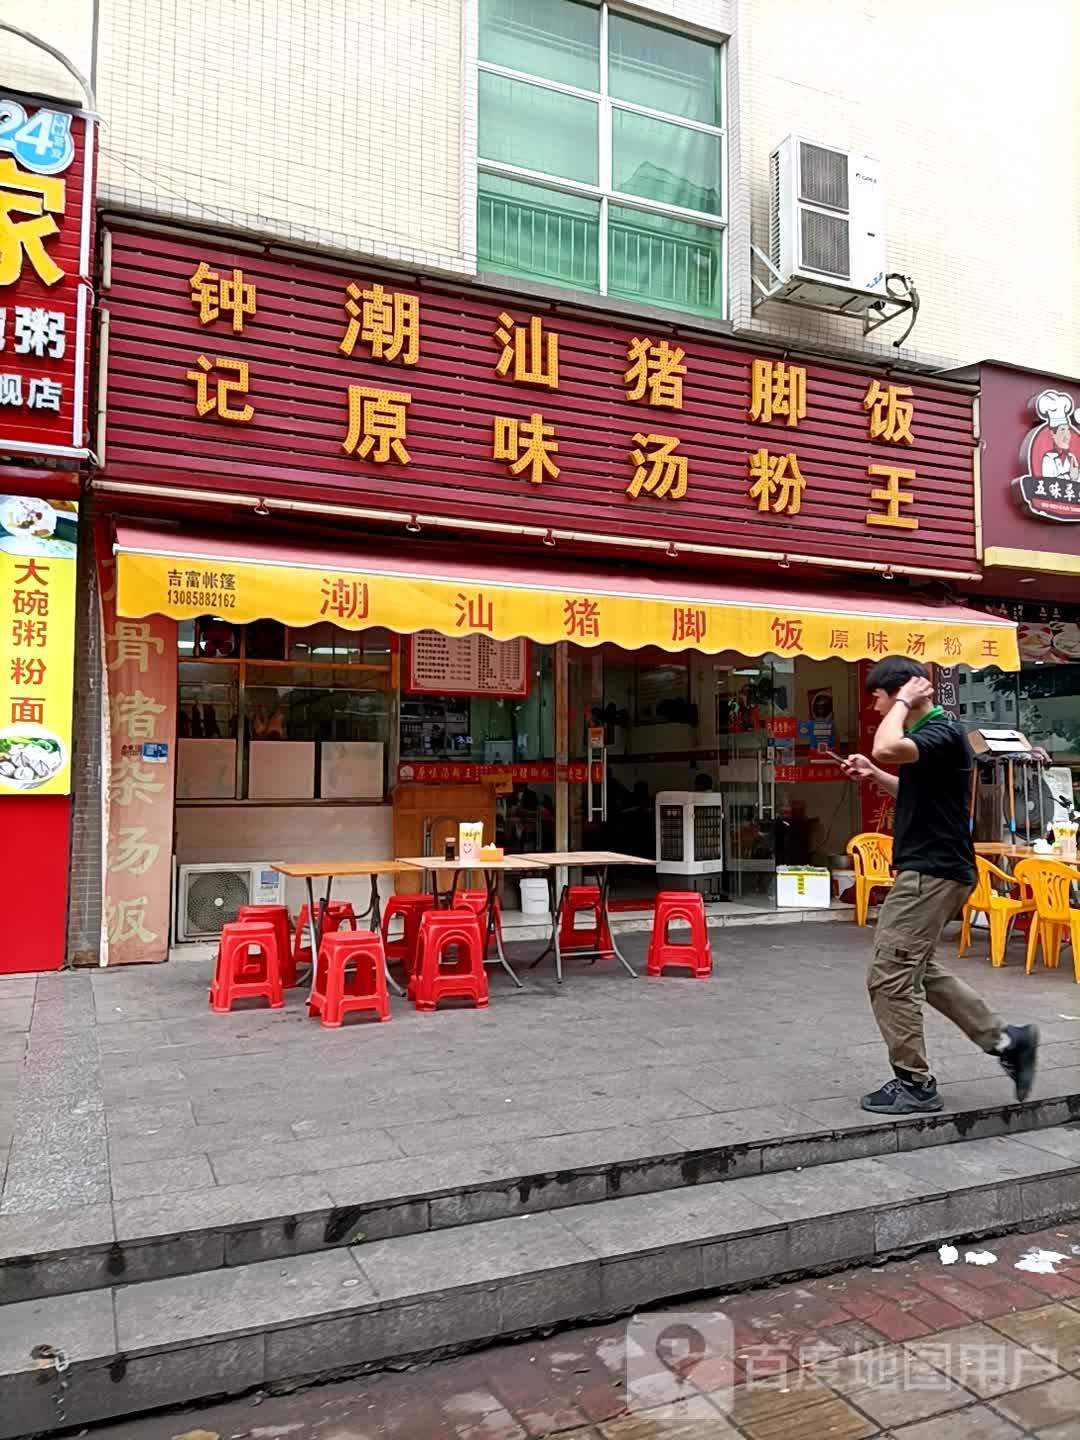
[534, 772]
[46, 238]
[1030, 472]
[254, 374]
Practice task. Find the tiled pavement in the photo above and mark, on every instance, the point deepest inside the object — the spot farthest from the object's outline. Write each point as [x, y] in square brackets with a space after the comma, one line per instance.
[122, 1088]
[909, 1351]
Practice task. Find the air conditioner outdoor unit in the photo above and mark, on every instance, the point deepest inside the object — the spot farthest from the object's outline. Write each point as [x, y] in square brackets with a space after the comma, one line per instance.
[826, 222]
[210, 896]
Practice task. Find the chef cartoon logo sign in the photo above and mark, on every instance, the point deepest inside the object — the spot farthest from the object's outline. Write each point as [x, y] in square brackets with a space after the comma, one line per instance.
[1050, 454]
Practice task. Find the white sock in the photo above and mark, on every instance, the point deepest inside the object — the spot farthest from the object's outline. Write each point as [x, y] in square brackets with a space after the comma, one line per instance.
[1004, 1043]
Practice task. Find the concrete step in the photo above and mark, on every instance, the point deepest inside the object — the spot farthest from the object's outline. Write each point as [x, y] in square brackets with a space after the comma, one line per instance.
[363, 1306]
[56, 1253]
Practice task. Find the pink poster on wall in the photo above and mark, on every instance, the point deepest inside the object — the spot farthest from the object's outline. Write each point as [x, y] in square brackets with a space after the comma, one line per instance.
[139, 695]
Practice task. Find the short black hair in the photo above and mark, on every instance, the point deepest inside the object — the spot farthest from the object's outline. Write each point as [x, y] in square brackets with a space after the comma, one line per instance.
[892, 672]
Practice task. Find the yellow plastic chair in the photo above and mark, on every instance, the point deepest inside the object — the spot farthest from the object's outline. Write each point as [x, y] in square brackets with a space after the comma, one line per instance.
[872, 853]
[1000, 910]
[1051, 885]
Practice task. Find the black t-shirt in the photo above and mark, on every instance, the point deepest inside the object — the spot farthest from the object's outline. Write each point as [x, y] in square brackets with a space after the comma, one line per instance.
[933, 826]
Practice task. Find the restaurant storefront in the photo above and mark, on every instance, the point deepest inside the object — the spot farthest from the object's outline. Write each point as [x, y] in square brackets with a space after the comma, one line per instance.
[1030, 501]
[378, 554]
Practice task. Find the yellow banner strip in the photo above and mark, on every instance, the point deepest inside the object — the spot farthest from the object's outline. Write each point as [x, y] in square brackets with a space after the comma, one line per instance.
[243, 591]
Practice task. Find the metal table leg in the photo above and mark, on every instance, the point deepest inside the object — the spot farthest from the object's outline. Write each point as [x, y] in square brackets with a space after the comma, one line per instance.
[605, 919]
[491, 879]
[553, 909]
[374, 913]
[315, 922]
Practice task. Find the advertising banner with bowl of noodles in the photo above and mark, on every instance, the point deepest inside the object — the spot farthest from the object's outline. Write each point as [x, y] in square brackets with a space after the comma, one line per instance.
[37, 643]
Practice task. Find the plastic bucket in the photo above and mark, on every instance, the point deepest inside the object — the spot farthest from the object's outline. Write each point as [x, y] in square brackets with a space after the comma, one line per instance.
[534, 897]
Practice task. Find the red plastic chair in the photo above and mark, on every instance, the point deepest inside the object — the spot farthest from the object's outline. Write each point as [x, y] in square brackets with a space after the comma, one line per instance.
[579, 900]
[336, 916]
[278, 915]
[242, 975]
[697, 955]
[476, 901]
[349, 977]
[436, 977]
[410, 909]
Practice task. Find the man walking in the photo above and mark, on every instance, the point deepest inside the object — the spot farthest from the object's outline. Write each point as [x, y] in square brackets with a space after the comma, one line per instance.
[934, 860]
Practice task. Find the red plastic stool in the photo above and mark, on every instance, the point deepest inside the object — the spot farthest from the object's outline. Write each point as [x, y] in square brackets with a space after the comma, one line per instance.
[335, 916]
[350, 976]
[411, 910]
[697, 955]
[432, 980]
[243, 976]
[278, 916]
[577, 899]
[476, 901]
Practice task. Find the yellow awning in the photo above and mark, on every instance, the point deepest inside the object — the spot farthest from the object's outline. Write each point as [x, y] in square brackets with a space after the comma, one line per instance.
[170, 573]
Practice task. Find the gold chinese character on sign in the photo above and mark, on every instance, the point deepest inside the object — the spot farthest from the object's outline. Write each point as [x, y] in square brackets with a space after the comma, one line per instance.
[655, 371]
[132, 642]
[657, 469]
[126, 920]
[131, 852]
[205, 402]
[390, 324]
[526, 445]
[134, 714]
[778, 482]
[890, 413]
[777, 392]
[39, 198]
[131, 780]
[528, 353]
[214, 296]
[377, 424]
[892, 497]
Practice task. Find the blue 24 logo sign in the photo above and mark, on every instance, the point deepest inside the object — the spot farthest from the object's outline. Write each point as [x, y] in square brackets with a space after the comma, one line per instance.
[42, 144]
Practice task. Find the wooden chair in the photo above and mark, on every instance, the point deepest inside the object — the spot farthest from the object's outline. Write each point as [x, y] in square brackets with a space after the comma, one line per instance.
[1000, 909]
[1051, 885]
[872, 853]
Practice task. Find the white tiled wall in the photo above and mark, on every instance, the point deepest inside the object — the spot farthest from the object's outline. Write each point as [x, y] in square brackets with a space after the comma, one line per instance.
[978, 136]
[334, 123]
[66, 25]
[350, 124]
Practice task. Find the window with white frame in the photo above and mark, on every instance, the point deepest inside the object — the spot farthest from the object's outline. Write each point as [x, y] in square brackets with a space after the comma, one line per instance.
[602, 153]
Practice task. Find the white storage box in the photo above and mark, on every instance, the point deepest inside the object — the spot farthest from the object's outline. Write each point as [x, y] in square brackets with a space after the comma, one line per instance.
[802, 887]
[534, 897]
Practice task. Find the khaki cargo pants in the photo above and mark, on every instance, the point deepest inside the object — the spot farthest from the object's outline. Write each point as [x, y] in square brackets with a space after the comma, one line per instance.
[904, 972]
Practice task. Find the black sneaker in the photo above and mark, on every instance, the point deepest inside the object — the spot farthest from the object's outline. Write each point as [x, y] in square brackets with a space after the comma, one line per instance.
[903, 1097]
[1018, 1061]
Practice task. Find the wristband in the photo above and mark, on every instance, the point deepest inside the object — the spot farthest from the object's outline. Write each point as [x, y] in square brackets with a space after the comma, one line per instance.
[901, 701]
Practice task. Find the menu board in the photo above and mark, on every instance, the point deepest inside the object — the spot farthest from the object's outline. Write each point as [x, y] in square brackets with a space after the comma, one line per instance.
[37, 644]
[466, 665]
